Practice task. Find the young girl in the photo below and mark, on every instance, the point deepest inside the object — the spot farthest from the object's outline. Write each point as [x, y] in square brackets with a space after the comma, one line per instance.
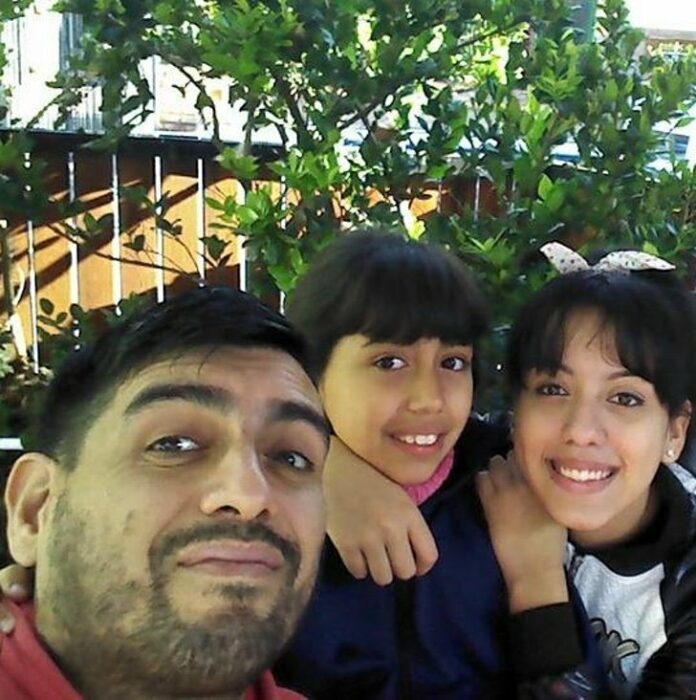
[602, 367]
[393, 326]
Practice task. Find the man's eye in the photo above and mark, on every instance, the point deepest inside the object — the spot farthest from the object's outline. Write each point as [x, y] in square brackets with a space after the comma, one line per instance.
[455, 363]
[550, 389]
[295, 460]
[627, 399]
[174, 444]
[390, 362]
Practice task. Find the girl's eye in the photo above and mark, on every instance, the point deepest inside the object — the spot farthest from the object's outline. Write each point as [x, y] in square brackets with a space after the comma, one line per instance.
[174, 444]
[627, 399]
[550, 389]
[455, 363]
[390, 362]
[294, 460]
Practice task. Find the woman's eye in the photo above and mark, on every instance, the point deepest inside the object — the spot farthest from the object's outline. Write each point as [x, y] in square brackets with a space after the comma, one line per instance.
[295, 460]
[174, 444]
[455, 363]
[390, 362]
[550, 389]
[625, 398]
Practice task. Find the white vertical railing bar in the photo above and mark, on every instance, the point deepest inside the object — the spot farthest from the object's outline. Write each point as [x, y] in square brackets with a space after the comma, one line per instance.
[33, 290]
[477, 197]
[33, 296]
[284, 200]
[74, 270]
[200, 217]
[240, 196]
[159, 235]
[116, 271]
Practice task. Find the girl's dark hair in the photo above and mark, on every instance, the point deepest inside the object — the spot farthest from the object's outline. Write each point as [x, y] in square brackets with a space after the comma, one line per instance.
[388, 288]
[650, 314]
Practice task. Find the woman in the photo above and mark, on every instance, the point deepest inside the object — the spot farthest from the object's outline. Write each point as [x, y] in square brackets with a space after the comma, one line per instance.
[601, 364]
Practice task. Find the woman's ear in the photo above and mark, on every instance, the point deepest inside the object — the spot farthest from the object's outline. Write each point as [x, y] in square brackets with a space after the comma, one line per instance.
[26, 495]
[678, 430]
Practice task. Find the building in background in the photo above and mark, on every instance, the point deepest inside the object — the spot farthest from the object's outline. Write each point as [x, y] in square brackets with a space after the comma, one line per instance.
[41, 42]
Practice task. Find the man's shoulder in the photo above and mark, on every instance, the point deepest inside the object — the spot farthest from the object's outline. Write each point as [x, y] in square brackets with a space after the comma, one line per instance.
[27, 671]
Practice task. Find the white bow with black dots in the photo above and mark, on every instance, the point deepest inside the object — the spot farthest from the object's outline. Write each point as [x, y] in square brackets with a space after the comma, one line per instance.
[566, 260]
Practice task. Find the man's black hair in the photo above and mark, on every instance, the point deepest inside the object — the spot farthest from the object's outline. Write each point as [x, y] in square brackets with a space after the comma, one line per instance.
[388, 288]
[206, 317]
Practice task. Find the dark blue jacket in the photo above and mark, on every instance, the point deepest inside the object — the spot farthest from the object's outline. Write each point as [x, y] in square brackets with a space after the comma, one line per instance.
[441, 636]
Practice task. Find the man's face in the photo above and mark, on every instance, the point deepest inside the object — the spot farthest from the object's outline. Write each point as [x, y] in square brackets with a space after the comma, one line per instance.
[184, 544]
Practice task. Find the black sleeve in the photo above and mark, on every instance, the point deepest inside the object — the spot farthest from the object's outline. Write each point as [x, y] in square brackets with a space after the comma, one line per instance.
[551, 661]
[671, 671]
[545, 641]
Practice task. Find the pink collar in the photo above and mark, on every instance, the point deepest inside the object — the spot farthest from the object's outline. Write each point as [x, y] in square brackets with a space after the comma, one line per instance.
[421, 492]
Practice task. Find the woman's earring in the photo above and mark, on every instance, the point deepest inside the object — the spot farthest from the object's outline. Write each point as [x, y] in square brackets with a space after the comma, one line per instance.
[670, 454]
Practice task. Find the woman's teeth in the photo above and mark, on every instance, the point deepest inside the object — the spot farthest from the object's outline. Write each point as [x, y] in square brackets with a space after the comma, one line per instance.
[583, 474]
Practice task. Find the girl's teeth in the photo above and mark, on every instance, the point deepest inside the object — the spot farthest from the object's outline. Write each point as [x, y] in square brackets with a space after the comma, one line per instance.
[584, 474]
[422, 440]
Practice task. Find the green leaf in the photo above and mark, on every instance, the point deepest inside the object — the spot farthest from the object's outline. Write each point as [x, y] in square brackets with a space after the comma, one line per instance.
[545, 186]
[46, 305]
[214, 246]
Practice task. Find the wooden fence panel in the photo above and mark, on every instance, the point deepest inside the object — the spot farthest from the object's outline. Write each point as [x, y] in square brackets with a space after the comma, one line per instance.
[99, 277]
[219, 185]
[53, 255]
[180, 183]
[137, 170]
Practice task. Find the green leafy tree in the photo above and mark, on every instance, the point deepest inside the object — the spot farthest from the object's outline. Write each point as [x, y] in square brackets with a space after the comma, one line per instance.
[378, 103]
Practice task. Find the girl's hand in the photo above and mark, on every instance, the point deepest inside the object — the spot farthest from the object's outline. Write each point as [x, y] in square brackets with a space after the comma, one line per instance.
[529, 544]
[372, 522]
[16, 583]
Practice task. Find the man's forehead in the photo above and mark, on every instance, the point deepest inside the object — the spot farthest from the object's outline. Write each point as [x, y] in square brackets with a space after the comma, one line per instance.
[264, 371]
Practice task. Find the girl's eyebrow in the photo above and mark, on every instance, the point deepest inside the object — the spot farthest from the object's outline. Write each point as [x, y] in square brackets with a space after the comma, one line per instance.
[619, 374]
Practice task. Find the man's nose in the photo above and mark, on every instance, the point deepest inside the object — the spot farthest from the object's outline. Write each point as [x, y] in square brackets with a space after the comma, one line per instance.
[237, 485]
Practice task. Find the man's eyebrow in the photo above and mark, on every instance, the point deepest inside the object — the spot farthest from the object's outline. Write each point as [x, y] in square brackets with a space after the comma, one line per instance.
[296, 410]
[202, 394]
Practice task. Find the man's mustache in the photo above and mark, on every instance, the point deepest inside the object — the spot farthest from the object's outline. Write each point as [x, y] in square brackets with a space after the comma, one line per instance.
[242, 532]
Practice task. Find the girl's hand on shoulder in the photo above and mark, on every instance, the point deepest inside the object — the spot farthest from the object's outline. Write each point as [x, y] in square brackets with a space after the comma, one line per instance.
[529, 544]
[372, 521]
[16, 584]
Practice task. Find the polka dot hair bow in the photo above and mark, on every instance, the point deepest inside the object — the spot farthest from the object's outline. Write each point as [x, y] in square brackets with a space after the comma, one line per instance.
[566, 260]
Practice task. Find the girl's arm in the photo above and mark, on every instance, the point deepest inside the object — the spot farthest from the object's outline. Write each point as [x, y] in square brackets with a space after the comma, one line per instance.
[372, 521]
[545, 636]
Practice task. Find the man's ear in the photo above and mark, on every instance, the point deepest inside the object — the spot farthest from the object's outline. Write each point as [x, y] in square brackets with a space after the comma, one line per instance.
[26, 497]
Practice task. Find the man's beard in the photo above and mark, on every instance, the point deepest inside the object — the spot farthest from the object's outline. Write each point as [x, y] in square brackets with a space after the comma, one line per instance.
[89, 600]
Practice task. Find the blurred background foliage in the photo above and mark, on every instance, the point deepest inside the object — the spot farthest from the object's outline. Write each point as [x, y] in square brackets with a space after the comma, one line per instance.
[377, 105]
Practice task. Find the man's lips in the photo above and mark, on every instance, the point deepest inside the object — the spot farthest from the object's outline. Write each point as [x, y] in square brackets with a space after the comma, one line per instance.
[232, 558]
